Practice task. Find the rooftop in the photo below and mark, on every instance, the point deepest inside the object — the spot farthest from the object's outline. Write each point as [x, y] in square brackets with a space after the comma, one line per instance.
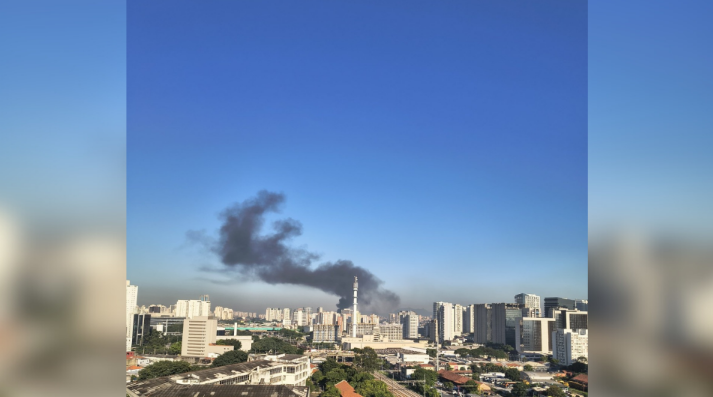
[174, 390]
[226, 370]
[346, 390]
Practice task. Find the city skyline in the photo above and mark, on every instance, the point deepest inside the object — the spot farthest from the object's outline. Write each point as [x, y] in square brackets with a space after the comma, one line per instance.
[450, 157]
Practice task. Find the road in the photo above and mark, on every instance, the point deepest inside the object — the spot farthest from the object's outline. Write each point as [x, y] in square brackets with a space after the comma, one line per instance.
[397, 389]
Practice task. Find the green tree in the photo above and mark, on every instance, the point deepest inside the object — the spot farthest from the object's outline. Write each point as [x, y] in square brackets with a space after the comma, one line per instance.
[230, 357]
[519, 390]
[335, 376]
[428, 375]
[473, 387]
[555, 391]
[312, 386]
[582, 359]
[528, 368]
[512, 374]
[328, 365]
[175, 348]
[230, 342]
[448, 385]
[366, 359]
[331, 391]
[164, 368]
[373, 388]
[431, 352]
[463, 352]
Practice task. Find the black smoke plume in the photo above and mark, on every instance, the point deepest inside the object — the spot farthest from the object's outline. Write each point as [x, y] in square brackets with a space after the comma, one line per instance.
[268, 257]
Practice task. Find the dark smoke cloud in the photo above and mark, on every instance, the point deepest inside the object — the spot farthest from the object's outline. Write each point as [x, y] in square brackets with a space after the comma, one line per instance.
[242, 248]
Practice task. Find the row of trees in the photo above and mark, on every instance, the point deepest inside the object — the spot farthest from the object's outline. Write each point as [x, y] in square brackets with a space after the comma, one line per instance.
[358, 375]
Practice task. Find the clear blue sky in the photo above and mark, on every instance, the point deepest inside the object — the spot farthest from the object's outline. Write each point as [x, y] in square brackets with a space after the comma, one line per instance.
[443, 146]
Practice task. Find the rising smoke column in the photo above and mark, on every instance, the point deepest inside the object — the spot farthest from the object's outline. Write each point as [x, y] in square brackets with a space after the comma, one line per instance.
[268, 257]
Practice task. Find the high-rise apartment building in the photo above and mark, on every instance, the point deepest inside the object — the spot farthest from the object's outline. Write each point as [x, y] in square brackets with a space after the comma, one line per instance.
[273, 314]
[458, 319]
[193, 308]
[132, 293]
[569, 345]
[443, 313]
[530, 301]
[409, 322]
[286, 316]
[553, 303]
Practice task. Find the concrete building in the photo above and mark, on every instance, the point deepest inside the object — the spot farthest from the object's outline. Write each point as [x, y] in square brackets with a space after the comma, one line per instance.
[530, 301]
[552, 303]
[458, 320]
[570, 319]
[443, 313]
[469, 319]
[199, 337]
[193, 308]
[390, 332]
[568, 345]
[483, 323]
[299, 317]
[325, 333]
[286, 318]
[409, 322]
[132, 293]
[506, 320]
[535, 336]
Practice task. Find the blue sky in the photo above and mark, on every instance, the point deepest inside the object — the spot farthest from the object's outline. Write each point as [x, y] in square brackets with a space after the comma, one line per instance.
[443, 146]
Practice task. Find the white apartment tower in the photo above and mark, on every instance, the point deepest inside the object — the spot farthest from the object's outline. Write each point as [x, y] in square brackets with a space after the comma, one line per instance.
[443, 314]
[457, 320]
[355, 317]
[193, 308]
[530, 301]
[568, 345]
[132, 293]
[536, 335]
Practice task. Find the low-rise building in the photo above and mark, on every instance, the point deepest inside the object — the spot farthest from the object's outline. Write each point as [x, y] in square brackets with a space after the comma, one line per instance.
[160, 387]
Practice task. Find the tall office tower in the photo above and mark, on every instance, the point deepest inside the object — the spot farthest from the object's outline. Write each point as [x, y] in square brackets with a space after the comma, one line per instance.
[535, 335]
[506, 318]
[308, 315]
[570, 319]
[198, 333]
[409, 322]
[132, 294]
[552, 303]
[483, 323]
[530, 301]
[581, 304]
[141, 327]
[458, 320]
[469, 319]
[443, 313]
[568, 345]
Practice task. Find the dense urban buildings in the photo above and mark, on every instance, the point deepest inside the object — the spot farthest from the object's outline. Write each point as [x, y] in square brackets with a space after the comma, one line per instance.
[199, 337]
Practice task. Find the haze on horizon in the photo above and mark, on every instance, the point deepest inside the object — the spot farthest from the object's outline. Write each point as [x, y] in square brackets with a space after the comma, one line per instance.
[444, 150]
